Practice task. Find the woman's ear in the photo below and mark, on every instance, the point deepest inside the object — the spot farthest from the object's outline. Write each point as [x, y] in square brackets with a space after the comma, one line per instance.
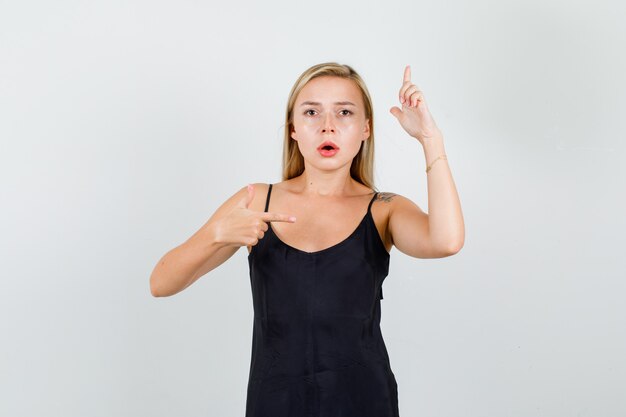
[366, 131]
[293, 134]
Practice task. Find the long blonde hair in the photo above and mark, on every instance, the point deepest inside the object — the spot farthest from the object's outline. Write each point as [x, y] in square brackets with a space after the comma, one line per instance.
[362, 168]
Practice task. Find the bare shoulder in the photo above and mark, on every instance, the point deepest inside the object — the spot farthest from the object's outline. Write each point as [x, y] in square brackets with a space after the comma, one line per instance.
[396, 216]
[395, 199]
[258, 199]
[386, 197]
[260, 195]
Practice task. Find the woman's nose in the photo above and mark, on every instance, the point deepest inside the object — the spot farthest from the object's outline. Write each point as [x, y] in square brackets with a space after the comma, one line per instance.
[328, 124]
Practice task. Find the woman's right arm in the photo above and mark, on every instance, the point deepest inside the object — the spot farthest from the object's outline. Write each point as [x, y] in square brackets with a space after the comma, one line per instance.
[183, 265]
[201, 253]
[231, 226]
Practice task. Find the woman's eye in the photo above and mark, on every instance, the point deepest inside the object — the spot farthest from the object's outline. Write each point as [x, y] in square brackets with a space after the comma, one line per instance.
[308, 112]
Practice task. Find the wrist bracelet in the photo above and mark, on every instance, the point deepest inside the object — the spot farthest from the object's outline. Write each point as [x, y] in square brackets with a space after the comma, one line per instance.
[443, 156]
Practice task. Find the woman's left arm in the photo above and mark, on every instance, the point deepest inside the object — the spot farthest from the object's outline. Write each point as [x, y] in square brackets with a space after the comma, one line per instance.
[441, 232]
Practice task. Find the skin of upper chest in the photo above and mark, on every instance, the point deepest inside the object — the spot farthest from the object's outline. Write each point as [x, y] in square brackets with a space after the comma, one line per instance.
[320, 225]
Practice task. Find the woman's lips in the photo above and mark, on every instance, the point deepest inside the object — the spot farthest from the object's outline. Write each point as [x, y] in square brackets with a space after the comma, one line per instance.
[328, 152]
[328, 148]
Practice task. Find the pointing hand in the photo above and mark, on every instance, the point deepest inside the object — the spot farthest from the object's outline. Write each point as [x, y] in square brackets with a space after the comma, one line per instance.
[414, 117]
[243, 226]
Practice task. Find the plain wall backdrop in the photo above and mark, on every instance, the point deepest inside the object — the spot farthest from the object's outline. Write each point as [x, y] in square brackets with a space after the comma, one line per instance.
[125, 124]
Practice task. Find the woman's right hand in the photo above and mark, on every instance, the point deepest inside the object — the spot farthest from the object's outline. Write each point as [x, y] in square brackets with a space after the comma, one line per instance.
[241, 226]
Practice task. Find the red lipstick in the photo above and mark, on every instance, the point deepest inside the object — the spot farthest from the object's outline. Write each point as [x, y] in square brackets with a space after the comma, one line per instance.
[328, 148]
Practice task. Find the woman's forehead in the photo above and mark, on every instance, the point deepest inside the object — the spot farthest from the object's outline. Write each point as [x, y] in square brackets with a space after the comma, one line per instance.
[329, 90]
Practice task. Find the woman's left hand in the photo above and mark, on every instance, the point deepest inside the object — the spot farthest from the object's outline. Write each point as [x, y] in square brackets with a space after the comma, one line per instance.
[414, 117]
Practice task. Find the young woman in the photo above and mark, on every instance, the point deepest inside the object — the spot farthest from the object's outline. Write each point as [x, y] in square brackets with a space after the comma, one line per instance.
[319, 245]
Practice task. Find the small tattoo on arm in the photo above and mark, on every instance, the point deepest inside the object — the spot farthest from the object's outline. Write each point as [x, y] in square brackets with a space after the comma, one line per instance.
[386, 197]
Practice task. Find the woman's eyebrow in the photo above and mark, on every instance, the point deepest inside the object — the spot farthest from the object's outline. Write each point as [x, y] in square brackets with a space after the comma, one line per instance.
[339, 103]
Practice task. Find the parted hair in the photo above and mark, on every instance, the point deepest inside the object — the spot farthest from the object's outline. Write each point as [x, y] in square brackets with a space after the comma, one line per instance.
[362, 168]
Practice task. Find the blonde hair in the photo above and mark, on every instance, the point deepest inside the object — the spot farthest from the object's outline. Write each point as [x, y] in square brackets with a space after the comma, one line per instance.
[362, 168]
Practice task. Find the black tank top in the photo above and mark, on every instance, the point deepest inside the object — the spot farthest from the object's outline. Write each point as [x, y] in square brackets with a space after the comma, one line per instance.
[317, 347]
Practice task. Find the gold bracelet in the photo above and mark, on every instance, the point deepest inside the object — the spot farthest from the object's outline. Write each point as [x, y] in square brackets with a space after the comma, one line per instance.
[432, 163]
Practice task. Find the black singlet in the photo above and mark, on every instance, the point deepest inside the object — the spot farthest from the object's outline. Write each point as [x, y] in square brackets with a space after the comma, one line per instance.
[317, 347]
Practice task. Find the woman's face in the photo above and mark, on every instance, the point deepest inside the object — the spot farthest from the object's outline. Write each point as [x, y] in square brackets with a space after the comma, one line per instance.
[330, 109]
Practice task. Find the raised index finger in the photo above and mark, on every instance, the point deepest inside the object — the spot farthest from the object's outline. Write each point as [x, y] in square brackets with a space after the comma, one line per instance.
[277, 217]
[407, 74]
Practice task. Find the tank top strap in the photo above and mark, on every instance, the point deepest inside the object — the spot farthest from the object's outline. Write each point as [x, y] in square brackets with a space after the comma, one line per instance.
[267, 200]
[371, 201]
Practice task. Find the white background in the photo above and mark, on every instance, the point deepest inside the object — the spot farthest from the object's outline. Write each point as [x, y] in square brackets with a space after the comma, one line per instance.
[125, 124]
